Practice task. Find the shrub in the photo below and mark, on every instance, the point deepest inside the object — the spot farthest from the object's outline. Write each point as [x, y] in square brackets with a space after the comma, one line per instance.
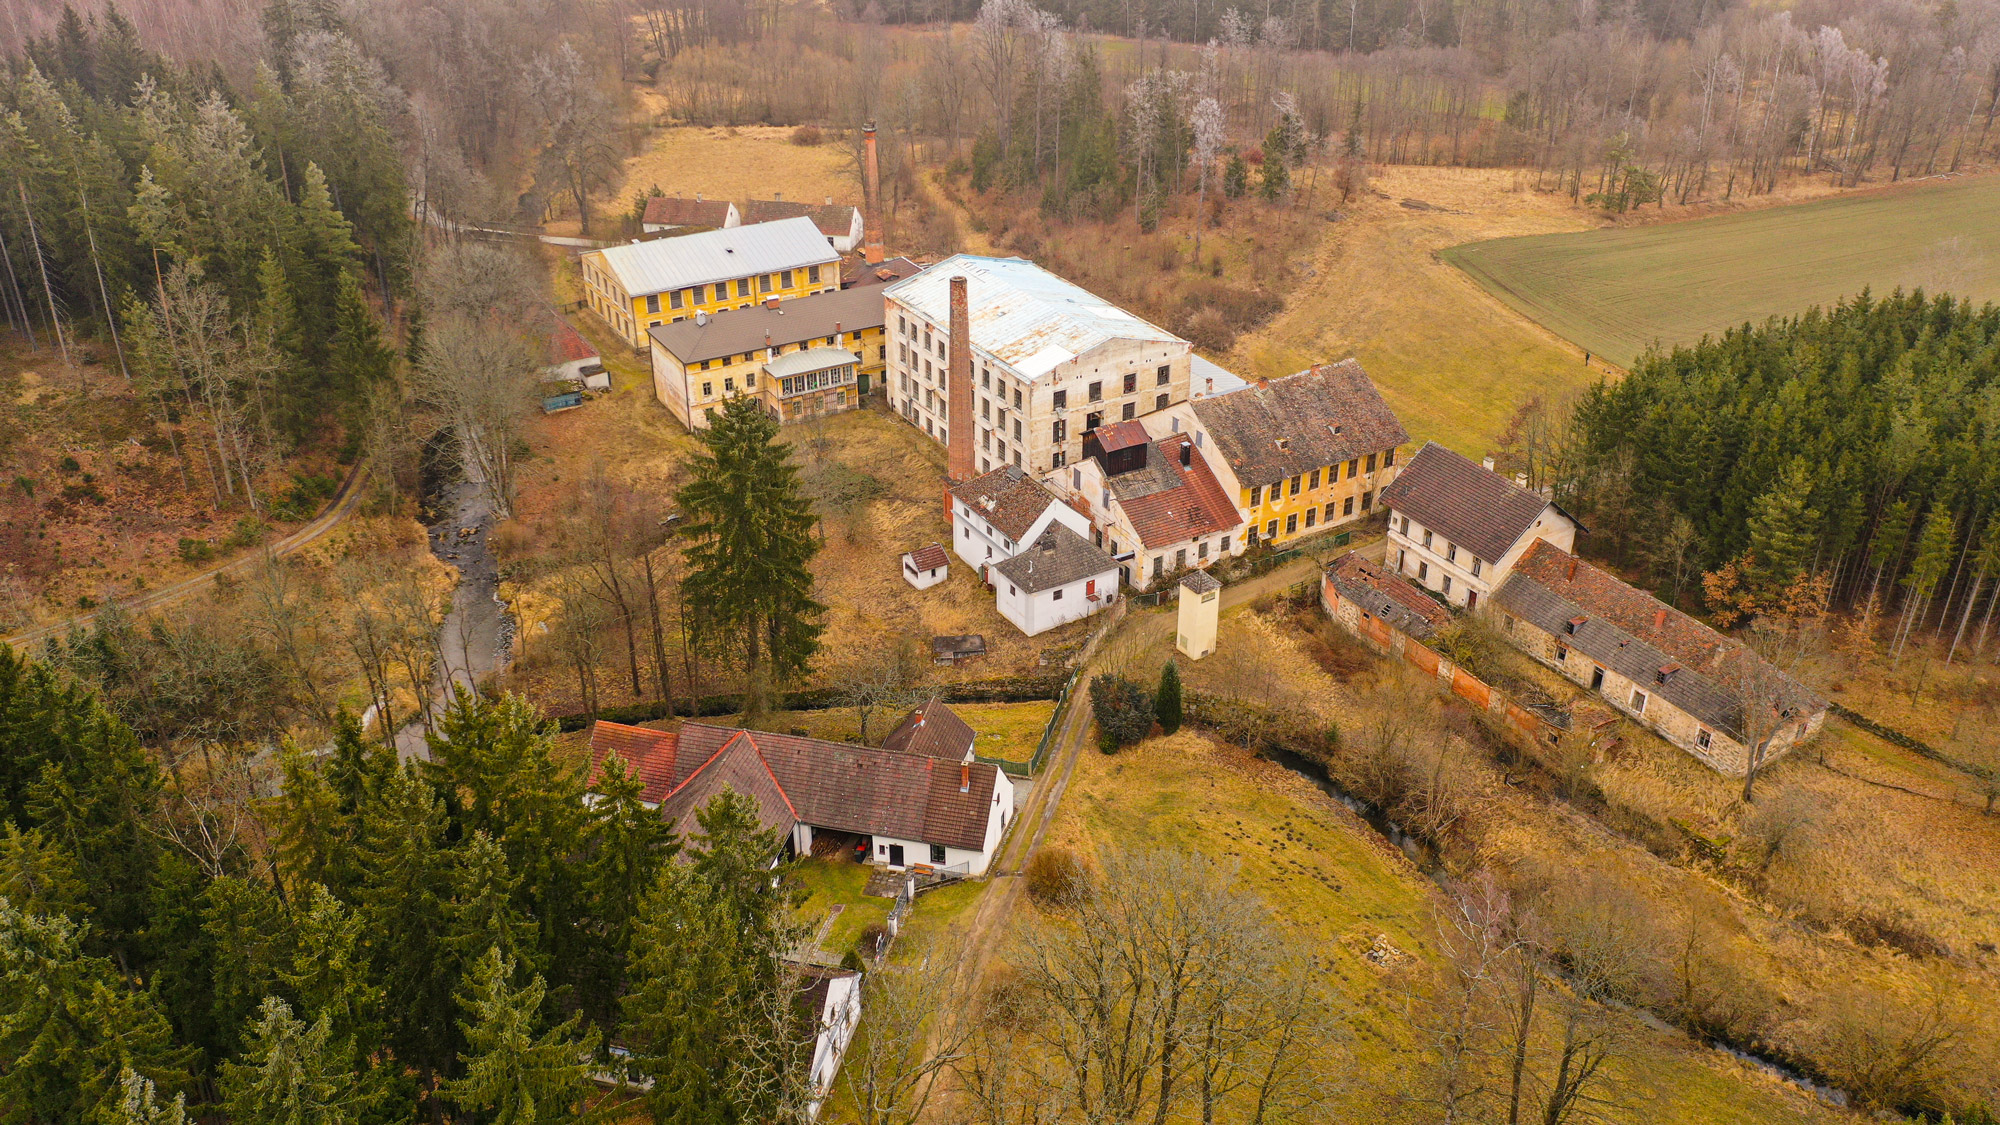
[26, 484]
[1123, 711]
[807, 135]
[196, 550]
[249, 532]
[1167, 701]
[1056, 878]
[69, 465]
[872, 940]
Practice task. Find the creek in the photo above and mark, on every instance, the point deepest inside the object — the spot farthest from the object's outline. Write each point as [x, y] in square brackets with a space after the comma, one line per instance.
[1425, 858]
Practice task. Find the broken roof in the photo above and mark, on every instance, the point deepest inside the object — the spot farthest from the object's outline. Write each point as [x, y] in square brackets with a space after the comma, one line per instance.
[1008, 498]
[566, 344]
[1659, 648]
[802, 320]
[1466, 503]
[1387, 596]
[1059, 557]
[717, 255]
[1324, 415]
[1167, 503]
[1023, 315]
[933, 731]
[857, 272]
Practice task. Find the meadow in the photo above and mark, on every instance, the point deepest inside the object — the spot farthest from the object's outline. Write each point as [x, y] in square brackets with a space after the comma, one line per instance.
[1617, 291]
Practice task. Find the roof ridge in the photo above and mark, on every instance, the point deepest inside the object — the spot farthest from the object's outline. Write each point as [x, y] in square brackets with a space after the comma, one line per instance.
[769, 772]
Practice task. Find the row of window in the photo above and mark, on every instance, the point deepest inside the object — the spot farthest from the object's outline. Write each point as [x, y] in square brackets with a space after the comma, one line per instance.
[1307, 482]
[1703, 738]
[1450, 551]
[816, 380]
[1314, 515]
[776, 350]
[719, 291]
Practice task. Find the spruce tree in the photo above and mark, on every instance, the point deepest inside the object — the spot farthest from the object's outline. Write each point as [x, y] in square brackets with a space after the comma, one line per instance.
[139, 1103]
[1783, 529]
[750, 540]
[406, 886]
[1236, 176]
[294, 1073]
[1167, 701]
[357, 357]
[513, 1074]
[626, 845]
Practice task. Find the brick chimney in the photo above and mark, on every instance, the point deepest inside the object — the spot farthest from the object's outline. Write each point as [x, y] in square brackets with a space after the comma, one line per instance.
[958, 386]
[871, 246]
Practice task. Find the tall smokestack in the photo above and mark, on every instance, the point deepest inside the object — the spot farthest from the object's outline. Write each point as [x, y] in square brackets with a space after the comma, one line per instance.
[958, 386]
[871, 245]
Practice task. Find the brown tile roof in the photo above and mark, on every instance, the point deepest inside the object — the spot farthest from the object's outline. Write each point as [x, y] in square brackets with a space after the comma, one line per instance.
[929, 557]
[1387, 596]
[566, 345]
[1121, 435]
[739, 765]
[1301, 410]
[673, 211]
[1464, 502]
[1008, 498]
[934, 731]
[651, 754]
[1059, 557]
[835, 220]
[797, 321]
[848, 788]
[857, 273]
[1638, 636]
[1168, 504]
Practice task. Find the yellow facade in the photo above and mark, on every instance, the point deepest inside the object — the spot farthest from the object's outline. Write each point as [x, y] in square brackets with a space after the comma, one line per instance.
[1310, 502]
[692, 390]
[630, 314]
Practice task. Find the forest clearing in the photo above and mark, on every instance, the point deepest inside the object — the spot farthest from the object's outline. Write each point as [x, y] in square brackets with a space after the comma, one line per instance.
[1616, 291]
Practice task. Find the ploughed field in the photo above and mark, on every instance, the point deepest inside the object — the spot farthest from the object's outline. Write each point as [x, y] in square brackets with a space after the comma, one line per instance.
[1618, 290]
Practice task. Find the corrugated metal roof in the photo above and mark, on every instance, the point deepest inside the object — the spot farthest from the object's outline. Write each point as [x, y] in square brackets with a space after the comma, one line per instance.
[812, 359]
[1023, 315]
[718, 255]
[1205, 378]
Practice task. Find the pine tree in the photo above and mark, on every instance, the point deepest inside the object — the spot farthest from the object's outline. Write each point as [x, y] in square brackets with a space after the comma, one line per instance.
[482, 913]
[1167, 701]
[1783, 529]
[750, 542]
[39, 877]
[514, 1076]
[140, 1103]
[406, 885]
[1236, 176]
[329, 973]
[627, 844]
[294, 1074]
[357, 357]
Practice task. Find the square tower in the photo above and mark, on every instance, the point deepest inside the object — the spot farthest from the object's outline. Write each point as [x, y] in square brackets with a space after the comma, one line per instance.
[1201, 604]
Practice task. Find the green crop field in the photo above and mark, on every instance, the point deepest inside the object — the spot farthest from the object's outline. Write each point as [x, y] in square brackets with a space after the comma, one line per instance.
[1617, 291]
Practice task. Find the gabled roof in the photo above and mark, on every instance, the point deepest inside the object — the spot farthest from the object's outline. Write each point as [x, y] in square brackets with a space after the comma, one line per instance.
[1121, 435]
[744, 331]
[1021, 314]
[673, 211]
[932, 731]
[1008, 498]
[651, 754]
[1466, 503]
[717, 255]
[1059, 557]
[1168, 504]
[740, 766]
[1280, 428]
[1657, 647]
[1387, 596]
[929, 557]
[835, 220]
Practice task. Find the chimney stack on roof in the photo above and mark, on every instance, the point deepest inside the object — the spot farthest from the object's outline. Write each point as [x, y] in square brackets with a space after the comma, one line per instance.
[1659, 618]
[1571, 576]
[958, 386]
[1487, 464]
[871, 246]
[697, 196]
[964, 777]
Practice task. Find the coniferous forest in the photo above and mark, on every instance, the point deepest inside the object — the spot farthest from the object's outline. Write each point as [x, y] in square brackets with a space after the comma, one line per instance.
[1858, 445]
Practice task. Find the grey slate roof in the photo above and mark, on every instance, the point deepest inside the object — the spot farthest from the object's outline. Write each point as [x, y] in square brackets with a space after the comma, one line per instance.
[1464, 502]
[1059, 557]
[1200, 581]
[718, 255]
[742, 331]
[1302, 410]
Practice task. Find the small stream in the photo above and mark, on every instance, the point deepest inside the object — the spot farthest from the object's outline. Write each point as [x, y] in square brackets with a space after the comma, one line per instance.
[1425, 858]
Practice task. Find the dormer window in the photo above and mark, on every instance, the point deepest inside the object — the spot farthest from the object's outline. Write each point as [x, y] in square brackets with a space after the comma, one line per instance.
[1574, 624]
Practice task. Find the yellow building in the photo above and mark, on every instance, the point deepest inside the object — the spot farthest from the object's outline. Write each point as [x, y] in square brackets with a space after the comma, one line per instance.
[812, 356]
[1299, 454]
[641, 285]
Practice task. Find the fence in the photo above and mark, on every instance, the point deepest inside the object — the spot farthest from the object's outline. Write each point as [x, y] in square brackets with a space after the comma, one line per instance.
[1055, 723]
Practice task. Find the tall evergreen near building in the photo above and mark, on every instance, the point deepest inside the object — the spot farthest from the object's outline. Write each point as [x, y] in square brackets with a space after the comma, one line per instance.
[1783, 528]
[515, 1074]
[1167, 701]
[750, 532]
[294, 1072]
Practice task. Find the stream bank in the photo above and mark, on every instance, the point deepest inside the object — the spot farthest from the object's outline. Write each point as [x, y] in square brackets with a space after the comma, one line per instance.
[476, 639]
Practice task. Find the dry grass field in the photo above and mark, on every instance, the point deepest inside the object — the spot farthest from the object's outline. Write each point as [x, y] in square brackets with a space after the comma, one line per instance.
[1619, 290]
[750, 161]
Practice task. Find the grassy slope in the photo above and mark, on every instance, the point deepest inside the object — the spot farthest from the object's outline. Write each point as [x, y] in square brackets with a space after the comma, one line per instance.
[1454, 363]
[1616, 291]
[1007, 731]
[737, 164]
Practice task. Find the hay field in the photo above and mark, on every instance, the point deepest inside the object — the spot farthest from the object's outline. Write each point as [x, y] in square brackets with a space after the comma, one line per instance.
[751, 161]
[1453, 362]
[1617, 291]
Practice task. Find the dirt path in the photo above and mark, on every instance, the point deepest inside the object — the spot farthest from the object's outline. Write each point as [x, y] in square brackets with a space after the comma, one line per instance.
[337, 510]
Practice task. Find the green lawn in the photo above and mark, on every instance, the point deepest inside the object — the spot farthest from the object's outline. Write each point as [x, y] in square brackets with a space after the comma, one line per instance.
[1617, 291]
[830, 883]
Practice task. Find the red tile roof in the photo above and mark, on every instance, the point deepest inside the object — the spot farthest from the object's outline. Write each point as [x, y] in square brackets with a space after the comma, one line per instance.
[835, 220]
[929, 557]
[739, 766]
[1008, 498]
[673, 211]
[566, 345]
[649, 753]
[1121, 435]
[1387, 595]
[934, 731]
[1195, 506]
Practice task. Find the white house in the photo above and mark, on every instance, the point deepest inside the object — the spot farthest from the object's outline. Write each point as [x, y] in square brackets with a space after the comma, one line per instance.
[1155, 505]
[926, 566]
[833, 997]
[900, 810]
[1058, 578]
[1458, 528]
[993, 515]
[843, 226]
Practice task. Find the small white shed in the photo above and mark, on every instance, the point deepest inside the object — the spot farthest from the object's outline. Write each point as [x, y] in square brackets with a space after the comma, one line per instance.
[926, 566]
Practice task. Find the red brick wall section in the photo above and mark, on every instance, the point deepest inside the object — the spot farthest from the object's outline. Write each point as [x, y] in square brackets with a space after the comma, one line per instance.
[1472, 688]
[1425, 660]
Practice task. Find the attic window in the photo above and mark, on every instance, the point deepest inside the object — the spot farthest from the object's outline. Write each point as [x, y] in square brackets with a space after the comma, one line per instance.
[1284, 443]
[1336, 428]
[1575, 623]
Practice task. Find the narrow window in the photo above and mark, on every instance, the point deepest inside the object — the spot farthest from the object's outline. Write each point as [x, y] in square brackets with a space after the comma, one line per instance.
[742, 287]
[812, 275]
[1370, 466]
[1295, 487]
[707, 390]
[1271, 530]
[764, 283]
[1256, 492]
[1475, 566]
[1160, 403]
[1447, 583]
[1313, 480]
[1638, 701]
[1061, 400]
[653, 303]
[1165, 374]
[1131, 381]
[1703, 740]
[1388, 458]
[1353, 465]
[673, 300]
[1347, 506]
[1059, 430]
[1312, 515]
[1367, 500]
[937, 850]
[1291, 523]
[1130, 412]
[1057, 596]
[1097, 392]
